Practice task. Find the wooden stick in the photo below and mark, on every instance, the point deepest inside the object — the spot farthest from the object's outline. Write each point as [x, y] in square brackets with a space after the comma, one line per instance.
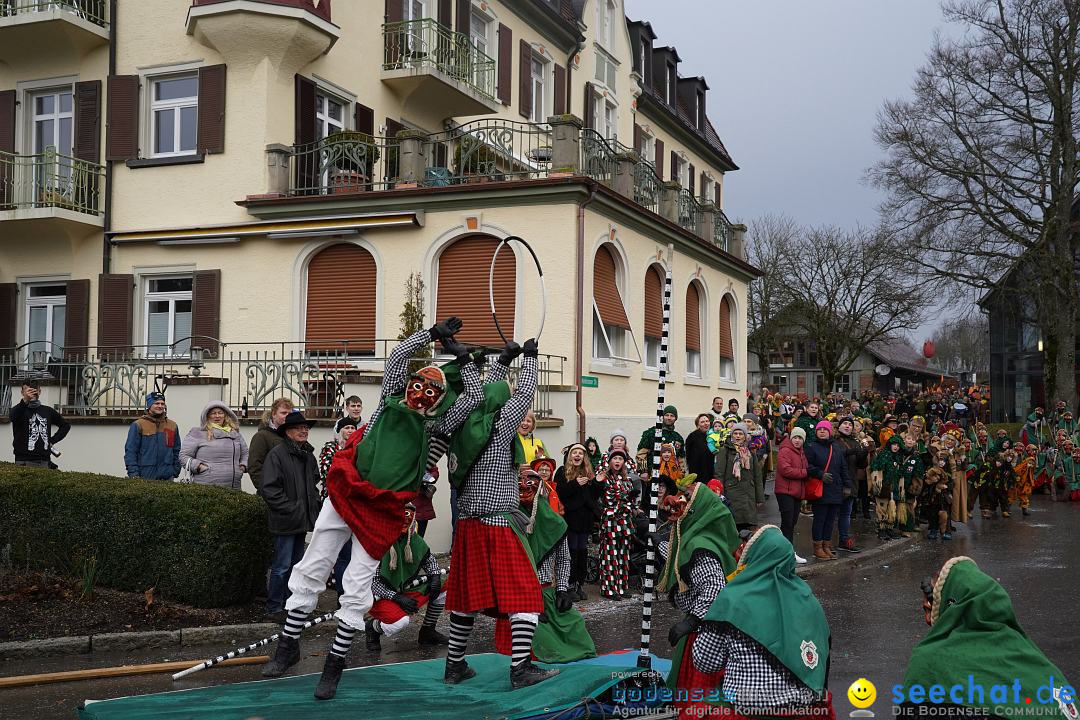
[119, 671]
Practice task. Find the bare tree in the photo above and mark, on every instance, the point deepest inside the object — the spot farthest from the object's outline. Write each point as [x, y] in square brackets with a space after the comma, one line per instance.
[846, 288]
[961, 344]
[768, 240]
[982, 163]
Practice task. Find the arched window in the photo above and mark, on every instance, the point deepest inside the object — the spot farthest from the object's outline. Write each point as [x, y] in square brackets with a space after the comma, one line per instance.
[611, 326]
[694, 303]
[462, 289]
[727, 339]
[341, 284]
[654, 315]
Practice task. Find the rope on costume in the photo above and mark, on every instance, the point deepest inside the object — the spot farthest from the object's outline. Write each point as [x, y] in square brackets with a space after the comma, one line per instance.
[647, 594]
[491, 286]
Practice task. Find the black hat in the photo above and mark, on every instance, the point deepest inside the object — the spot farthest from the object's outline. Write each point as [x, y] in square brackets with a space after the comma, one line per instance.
[293, 419]
[344, 422]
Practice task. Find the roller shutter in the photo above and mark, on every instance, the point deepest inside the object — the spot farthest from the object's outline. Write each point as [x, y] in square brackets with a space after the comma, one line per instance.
[463, 289]
[606, 290]
[727, 345]
[654, 303]
[693, 318]
[341, 285]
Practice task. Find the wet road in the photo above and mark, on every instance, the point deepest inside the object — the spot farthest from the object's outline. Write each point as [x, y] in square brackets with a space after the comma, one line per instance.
[874, 613]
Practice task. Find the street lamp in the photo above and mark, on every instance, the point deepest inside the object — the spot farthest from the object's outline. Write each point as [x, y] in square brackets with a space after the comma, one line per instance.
[196, 360]
[1040, 345]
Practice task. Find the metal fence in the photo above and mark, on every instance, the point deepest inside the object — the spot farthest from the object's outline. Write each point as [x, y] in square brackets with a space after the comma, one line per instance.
[427, 43]
[50, 179]
[92, 10]
[105, 382]
[723, 231]
[344, 162]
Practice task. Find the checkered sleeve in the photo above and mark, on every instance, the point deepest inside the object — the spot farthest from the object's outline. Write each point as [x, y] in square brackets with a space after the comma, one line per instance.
[562, 566]
[706, 581]
[431, 565]
[381, 589]
[396, 369]
[513, 412]
[753, 677]
[466, 402]
[496, 372]
[710, 652]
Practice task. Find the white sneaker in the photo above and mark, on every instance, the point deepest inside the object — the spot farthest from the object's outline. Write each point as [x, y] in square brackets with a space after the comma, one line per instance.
[799, 560]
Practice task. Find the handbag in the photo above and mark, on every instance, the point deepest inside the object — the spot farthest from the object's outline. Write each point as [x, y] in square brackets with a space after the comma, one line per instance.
[814, 486]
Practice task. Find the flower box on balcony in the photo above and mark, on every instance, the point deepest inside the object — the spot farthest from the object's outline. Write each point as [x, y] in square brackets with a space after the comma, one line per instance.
[343, 182]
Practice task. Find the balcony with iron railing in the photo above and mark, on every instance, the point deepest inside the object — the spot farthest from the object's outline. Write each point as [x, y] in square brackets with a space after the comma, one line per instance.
[50, 187]
[426, 60]
[32, 28]
[490, 150]
[96, 381]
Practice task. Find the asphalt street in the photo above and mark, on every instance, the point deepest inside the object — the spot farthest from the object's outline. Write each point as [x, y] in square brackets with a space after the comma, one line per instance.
[873, 610]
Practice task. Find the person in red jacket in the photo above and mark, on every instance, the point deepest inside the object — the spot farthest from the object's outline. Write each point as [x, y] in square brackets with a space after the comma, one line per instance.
[791, 474]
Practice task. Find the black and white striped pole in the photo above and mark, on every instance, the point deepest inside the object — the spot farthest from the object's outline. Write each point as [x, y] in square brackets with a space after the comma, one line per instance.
[649, 583]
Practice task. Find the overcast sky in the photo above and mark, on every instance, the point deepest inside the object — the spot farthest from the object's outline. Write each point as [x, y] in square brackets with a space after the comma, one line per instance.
[794, 89]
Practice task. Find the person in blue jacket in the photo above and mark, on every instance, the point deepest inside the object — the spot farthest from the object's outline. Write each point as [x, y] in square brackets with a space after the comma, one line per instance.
[152, 449]
[827, 462]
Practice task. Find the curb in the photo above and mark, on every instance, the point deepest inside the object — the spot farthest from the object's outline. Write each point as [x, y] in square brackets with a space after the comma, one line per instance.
[849, 561]
[107, 642]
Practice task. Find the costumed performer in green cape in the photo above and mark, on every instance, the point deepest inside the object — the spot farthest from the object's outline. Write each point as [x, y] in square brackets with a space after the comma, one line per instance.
[979, 655]
[767, 634]
[560, 635]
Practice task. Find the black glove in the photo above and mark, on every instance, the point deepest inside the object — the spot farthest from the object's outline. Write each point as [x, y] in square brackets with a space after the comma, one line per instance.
[453, 347]
[531, 349]
[511, 351]
[479, 358]
[447, 328]
[543, 618]
[434, 586]
[406, 603]
[682, 628]
[826, 478]
[563, 601]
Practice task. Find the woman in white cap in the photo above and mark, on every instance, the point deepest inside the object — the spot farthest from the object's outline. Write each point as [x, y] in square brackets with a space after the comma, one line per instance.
[617, 442]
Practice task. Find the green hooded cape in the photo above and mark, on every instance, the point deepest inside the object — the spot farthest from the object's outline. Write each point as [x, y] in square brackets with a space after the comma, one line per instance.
[390, 456]
[548, 530]
[475, 433]
[769, 602]
[707, 525]
[975, 633]
[406, 570]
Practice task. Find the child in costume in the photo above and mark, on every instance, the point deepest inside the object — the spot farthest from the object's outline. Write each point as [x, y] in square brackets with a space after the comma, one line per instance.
[937, 496]
[1025, 469]
[369, 483]
[996, 479]
[978, 457]
[698, 554]
[616, 526]
[767, 634]
[561, 635]
[408, 559]
[617, 442]
[592, 451]
[545, 468]
[912, 472]
[952, 443]
[885, 483]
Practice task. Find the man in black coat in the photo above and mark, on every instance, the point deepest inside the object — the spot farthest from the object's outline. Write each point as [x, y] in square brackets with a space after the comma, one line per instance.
[289, 486]
[31, 428]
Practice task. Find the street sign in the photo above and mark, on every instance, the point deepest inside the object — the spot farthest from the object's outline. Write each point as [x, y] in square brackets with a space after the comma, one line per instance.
[590, 381]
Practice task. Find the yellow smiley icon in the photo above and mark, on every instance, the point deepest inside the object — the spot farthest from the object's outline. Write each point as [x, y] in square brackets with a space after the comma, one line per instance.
[862, 693]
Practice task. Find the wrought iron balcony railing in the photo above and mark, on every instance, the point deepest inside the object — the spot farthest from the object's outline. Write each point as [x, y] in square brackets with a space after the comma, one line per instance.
[91, 10]
[50, 180]
[723, 231]
[428, 44]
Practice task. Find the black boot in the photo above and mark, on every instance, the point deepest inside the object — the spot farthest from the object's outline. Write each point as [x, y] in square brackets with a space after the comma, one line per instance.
[286, 654]
[431, 636]
[457, 671]
[1024, 511]
[371, 638]
[331, 675]
[527, 674]
[579, 592]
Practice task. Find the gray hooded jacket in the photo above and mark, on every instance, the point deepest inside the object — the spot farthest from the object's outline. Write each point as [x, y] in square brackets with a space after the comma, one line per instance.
[221, 453]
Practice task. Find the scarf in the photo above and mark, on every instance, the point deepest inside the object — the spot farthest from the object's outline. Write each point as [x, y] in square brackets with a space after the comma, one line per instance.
[226, 428]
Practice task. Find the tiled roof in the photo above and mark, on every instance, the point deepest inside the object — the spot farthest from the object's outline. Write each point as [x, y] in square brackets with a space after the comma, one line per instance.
[710, 136]
[897, 353]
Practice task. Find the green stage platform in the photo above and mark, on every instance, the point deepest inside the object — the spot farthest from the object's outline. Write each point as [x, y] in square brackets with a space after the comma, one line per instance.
[404, 691]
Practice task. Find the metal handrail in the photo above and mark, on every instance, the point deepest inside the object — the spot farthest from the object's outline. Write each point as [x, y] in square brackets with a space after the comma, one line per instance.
[427, 43]
[50, 179]
[93, 11]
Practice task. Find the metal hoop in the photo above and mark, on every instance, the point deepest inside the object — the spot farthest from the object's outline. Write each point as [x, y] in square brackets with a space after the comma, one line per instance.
[491, 286]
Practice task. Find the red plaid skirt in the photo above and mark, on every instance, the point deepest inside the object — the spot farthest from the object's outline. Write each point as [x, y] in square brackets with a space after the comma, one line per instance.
[503, 638]
[691, 678]
[490, 571]
[374, 515]
[389, 612]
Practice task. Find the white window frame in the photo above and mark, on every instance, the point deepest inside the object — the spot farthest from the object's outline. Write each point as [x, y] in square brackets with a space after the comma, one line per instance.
[50, 302]
[323, 121]
[176, 105]
[606, 15]
[407, 10]
[477, 13]
[172, 298]
[56, 116]
[648, 142]
[643, 51]
[608, 338]
[540, 86]
[670, 79]
[727, 365]
[652, 353]
[708, 189]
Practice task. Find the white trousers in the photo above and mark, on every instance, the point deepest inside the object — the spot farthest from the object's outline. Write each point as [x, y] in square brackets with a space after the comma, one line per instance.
[309, 576]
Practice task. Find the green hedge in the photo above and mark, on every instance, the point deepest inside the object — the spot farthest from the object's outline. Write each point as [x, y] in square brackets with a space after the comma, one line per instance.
[200, 545]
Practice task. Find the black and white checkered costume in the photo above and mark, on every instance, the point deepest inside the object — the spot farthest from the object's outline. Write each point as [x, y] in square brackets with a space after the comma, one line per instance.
[753, 677]
[557, 563]
[704, 584]
[382, 590]
[491, 487]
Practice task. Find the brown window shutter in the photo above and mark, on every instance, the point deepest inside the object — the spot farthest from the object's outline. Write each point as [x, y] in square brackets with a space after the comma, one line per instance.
[115, 295]
[305, 111]
[659, 158]
[703, 184]
[692, 178]
[77, 318]
[693, 318]
[674, 166]
[211, 138]
[590, 106]
[395, 11]
[337, 272]
[464, 17]
[9, 309]
[445, 12]
[716, 192]
[727, 345]
[462, 289]
[525, 98]
[87, 144]
[639, 137]
[364, 119]
[654, 303]
[7, 144]
[606, 290]
[506, 51]
[206, 310]
[122, 118]
[559, 106]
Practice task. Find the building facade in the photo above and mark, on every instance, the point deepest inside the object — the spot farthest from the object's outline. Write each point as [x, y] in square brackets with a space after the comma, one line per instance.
[234, 194]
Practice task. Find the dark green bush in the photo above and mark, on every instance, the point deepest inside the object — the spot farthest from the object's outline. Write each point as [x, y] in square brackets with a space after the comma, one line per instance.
[199, 545]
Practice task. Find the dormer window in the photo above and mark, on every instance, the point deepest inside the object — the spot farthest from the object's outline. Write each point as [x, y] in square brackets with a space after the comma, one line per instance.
[672, 79]
[699, 109]
[643, 59]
